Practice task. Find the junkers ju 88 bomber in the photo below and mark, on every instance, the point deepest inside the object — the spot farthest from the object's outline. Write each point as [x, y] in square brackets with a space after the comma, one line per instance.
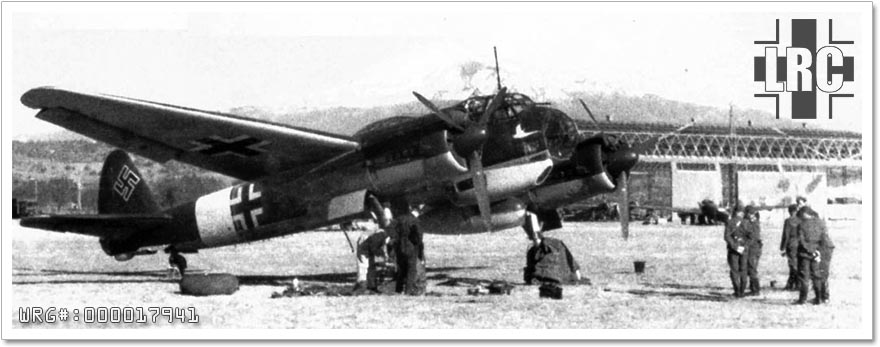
[480, 165]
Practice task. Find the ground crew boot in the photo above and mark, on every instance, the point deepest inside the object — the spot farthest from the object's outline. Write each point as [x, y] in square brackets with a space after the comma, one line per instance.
[825, 296]
[738, 290]
[754, 287]
[821, 294]
[817, 290]
[802, 296]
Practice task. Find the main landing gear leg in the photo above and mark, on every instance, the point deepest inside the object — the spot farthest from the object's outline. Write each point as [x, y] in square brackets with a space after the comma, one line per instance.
[176, 262]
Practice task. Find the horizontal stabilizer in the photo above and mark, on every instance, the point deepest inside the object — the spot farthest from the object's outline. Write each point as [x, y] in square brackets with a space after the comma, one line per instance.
[101, 225]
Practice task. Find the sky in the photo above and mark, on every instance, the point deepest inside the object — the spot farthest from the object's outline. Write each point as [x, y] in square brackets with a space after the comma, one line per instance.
[288, 56]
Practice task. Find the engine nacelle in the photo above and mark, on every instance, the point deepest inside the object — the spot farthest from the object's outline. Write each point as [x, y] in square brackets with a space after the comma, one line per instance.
[508, 179]
[436, 163]
[123, 256]
[506, 214]
[118, 247]
[581, 177]
[124, 250]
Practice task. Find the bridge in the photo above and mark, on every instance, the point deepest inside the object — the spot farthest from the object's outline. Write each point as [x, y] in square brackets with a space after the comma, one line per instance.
[724, 164]
[747, 145]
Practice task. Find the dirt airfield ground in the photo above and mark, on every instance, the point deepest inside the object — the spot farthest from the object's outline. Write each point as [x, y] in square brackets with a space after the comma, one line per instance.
[685, 285]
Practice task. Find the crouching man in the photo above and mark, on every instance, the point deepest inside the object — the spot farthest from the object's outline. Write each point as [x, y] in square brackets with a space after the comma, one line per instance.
[548, 260]
[371, 251]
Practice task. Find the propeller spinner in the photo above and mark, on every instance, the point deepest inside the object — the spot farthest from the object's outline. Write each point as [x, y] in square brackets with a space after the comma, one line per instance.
[620, 157]
[470, 144]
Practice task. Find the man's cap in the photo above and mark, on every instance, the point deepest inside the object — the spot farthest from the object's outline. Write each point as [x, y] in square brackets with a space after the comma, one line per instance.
[806, 210]
[800, 198]
[750, 209]
[792, 208]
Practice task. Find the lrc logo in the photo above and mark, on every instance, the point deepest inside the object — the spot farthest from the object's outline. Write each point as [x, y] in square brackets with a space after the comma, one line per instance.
[803, 69]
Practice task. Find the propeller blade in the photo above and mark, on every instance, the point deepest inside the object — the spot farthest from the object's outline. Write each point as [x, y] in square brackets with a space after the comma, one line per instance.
[443, 115]
[480, 188]
[476, 133]
[493, 106]
[590, 113]
[624, 204]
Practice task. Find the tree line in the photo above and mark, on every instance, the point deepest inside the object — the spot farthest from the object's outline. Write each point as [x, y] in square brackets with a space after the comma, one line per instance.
[60, 194]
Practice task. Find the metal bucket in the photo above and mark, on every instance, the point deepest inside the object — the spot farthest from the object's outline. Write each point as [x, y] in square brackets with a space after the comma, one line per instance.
[639, 266]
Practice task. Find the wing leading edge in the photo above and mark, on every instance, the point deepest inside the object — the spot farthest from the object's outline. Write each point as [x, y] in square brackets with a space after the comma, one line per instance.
[239, 147]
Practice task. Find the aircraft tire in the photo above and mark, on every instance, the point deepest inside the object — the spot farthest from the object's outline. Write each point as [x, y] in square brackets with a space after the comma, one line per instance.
[208, 284]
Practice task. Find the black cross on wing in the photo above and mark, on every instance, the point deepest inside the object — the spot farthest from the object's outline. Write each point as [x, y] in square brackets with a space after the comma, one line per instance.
[242, 146]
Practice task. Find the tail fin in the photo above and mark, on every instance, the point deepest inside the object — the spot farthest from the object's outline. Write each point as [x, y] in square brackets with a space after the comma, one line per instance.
[123, 189]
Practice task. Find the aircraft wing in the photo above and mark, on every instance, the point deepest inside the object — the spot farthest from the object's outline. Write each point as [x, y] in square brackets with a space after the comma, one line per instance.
[103, 225]
[240, 147]
[667, 208]
[771, 207]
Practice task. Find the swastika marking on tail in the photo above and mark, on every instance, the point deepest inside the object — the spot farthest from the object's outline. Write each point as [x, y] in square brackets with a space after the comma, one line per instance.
[126, 182]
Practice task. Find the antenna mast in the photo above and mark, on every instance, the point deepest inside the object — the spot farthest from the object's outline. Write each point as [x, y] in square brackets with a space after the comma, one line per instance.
[734, 184]
[497, 70]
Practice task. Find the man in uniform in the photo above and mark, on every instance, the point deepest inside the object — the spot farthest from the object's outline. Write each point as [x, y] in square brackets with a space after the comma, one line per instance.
[752, 226]
[548, 260]
[708, 212]
[372, 245]
[801, 201]
[410, 254]
[826, 248]
[737, 253]
[370, 249]
[812, 240]
[788, 247]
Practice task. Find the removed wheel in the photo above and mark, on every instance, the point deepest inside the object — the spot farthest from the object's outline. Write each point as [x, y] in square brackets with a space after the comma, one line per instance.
[208, 284]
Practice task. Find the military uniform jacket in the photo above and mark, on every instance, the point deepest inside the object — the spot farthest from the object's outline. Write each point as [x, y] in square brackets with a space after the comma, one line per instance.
[373, 243]
[752, 230]
[812, 236]
[789, 240]
[735, 234]
[409, 237]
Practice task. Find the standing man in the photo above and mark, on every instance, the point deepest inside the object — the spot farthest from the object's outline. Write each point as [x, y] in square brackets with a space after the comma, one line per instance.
[736, 239]
[410, 254]
[812, 241]
[788, 247]
[752, 226]
[826, 248]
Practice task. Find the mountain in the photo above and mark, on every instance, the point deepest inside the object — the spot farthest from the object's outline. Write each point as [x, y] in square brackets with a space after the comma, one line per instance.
[616, 105]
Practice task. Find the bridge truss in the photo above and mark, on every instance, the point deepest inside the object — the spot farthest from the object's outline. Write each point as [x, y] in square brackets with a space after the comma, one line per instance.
[696, 146]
